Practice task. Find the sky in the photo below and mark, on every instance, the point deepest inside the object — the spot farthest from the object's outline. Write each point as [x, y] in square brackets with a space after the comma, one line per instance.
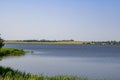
[83, 20]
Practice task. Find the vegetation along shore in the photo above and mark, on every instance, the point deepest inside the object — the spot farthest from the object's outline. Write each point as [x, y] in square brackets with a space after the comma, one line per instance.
[11, 52]
[62, 42]
[10, 74]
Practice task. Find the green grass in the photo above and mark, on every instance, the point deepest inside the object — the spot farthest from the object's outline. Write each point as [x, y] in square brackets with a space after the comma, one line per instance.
[10, 74]
[11, 52]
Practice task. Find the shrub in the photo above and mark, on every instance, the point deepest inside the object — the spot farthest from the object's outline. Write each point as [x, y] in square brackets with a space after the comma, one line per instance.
[11, 52]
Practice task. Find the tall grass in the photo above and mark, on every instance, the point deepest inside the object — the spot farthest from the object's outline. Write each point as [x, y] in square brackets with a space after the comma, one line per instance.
[11, 52]
[10, 74]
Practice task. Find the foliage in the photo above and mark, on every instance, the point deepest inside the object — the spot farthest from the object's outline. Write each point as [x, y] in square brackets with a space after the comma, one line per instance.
[44, 40]
[9, 74]
[1, 42]
[11, 52]
[106, 42]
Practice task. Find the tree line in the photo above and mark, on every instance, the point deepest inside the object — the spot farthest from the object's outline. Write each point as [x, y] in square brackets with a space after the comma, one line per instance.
[1, 42]
[44, 40]
[105, 42]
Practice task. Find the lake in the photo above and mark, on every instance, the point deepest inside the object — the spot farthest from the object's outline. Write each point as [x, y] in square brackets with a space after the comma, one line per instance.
[92, 61]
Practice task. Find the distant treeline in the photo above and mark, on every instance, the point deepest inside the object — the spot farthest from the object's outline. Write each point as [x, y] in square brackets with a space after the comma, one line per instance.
[77, 42]
[105, 42]
[44, 40]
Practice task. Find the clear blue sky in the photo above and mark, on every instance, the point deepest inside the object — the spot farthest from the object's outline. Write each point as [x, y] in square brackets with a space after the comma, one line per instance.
[83, 20]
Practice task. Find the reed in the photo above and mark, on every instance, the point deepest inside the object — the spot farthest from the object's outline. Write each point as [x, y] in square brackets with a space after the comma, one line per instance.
[10, 74]
[11, 52]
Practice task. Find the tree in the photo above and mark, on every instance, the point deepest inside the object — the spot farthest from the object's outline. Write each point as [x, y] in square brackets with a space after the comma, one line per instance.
[1, 42]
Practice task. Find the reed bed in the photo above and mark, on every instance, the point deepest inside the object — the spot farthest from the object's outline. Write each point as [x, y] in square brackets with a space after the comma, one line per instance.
[10, 74]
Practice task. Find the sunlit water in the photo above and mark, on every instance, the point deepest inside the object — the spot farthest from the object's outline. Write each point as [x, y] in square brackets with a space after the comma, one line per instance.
[80, 60]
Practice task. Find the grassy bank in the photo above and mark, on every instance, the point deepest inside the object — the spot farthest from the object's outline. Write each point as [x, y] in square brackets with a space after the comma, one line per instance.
[11, 52]
[10, 74]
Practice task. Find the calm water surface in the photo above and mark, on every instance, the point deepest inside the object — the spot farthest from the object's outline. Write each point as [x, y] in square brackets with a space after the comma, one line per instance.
[81, 60]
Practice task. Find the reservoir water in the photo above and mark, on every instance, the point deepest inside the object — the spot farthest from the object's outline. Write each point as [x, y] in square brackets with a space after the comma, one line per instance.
[92, 61]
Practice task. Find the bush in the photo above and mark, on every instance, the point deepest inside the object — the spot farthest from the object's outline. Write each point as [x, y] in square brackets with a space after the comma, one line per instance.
[1, 42]
[11, 52]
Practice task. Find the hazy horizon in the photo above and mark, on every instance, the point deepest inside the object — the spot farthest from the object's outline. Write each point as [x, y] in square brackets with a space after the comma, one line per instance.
[80, 20]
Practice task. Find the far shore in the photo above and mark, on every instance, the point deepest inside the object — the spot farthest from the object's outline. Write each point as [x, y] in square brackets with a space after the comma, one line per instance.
[116, 43]
[21, 42]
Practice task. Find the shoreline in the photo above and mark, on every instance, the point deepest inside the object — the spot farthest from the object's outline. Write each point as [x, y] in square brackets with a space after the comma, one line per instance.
[102, 43]
[20, 42]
